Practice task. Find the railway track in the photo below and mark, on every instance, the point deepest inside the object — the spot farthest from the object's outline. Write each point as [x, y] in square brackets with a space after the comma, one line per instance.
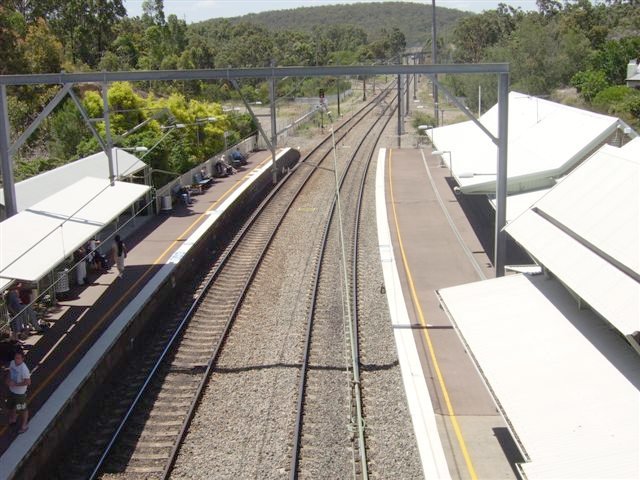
[329, 438]
[149, 411]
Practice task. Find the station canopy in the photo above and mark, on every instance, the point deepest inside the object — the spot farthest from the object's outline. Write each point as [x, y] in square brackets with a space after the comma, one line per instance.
[586, 231]
[546, 140]
[33, 242]
[517, 204]
[34, 189]
[567, 384]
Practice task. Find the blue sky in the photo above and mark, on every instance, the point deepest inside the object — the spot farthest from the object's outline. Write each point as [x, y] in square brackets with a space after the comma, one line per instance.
[197, 10]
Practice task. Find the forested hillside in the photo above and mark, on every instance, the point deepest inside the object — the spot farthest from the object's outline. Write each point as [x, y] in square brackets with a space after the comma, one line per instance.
[413, 19]
[573, 43]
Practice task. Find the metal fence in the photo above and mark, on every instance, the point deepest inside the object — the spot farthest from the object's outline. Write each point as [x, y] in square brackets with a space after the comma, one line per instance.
[187, 179]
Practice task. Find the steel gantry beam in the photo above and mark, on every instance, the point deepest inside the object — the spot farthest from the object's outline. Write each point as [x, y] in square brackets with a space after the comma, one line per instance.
[262, 72]
[104, 78]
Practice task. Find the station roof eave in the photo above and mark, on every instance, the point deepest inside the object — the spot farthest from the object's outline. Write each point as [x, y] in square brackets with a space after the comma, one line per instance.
[519, 203]
[34, 189]
[567, 384]
[546, 140]
[33, 242]
[586, 231]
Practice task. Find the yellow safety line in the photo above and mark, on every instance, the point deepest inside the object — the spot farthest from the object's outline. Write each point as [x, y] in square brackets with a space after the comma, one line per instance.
[48, 379]
[427, 337]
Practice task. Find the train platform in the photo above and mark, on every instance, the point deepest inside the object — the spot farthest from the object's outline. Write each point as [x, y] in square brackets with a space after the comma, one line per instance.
[89, 320]
[430, 239]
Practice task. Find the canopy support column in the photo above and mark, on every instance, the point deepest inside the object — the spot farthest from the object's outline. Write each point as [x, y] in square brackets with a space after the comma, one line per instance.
[8, 185]
[501, 181]
[107, 130]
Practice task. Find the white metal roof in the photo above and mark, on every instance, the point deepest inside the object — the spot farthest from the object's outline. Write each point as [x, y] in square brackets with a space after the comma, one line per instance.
[567, 384]
[519, 203]
[35, 189]
[546, 139]
[586, 231]
[35, 240]
[632, 147]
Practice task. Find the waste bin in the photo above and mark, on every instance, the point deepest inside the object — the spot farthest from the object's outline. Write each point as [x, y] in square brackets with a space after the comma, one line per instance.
[62, 284]
[165, 203]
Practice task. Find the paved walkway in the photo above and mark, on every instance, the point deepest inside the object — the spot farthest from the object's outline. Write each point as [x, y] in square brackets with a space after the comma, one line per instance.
[436, 246]
[89, 309]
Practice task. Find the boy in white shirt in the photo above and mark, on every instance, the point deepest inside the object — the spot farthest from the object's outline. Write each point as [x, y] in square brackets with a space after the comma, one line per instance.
[18, 380]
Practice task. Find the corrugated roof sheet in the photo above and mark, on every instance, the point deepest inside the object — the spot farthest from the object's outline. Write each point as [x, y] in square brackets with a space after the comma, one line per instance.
[568, 385]
[517, 204]
[34, 189]
[546, 139]
[35, 240]
[586, 231]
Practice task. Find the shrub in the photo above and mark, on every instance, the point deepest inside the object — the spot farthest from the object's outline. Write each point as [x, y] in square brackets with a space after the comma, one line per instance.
[613, 95]
[589, 83]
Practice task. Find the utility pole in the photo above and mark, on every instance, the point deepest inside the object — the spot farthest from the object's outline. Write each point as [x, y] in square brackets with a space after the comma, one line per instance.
[399, 110]
[500, 253]
[407, 93]
[434, 60]
[274, 125]
[107, 131]
[415, 83]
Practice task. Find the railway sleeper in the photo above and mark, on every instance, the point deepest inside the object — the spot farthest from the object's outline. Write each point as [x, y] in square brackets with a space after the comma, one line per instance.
[188, 367]
[170, 403]
[159, 418]
[174, 393]
[171, 381]
[173, 421]
[148, 456]
[149, 446]
[207, 324]
[198, 346]
[200, 339]
[189, 352]
[163, 433]
[222, 300]
[146, 469]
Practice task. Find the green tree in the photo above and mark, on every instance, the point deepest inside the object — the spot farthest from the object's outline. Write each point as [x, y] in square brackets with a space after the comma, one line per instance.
[549, 8]
[67, 128]
[531, 50]
[153, 12]
[589, 83]
[43, 51]
[472, 36]
[176, 35]
[613, 57]
[12, 30]
[87, 28]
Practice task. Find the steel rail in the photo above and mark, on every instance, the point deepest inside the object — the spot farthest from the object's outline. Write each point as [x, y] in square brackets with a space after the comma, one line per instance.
[218, 348]
[295, 456]
[357, 385]
[198, 300]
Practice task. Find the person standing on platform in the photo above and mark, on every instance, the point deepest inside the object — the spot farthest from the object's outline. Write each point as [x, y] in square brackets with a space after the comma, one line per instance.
[18, 381]
[12, 301]
[119, 254]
